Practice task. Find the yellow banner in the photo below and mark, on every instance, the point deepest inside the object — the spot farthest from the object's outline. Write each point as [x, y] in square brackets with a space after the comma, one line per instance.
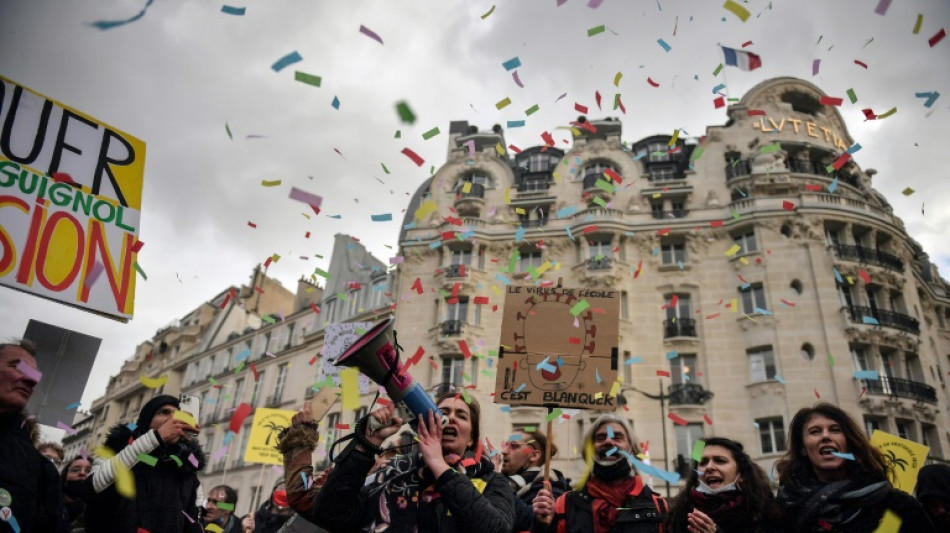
[70, 204]
[262, 442]
[906, 457]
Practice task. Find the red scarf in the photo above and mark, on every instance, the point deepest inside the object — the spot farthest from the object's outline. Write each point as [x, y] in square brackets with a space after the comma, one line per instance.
[606, 500]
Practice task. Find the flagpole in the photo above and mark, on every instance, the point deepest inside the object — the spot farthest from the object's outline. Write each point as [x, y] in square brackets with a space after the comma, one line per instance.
[722, 56]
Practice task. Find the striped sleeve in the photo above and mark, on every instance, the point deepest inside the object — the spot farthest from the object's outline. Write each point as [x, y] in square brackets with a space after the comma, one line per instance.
[103, 472]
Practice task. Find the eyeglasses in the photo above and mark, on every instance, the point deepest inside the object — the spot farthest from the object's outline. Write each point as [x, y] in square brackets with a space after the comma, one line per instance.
[55, 461]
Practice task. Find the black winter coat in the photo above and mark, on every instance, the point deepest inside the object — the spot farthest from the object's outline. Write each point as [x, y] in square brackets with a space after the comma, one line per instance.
[268, 520]
[30, 481]
[524, 511]
[164, 494]
[405, 497]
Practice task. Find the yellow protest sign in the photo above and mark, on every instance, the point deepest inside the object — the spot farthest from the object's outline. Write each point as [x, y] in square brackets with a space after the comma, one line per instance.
[262, 442]
[906, 458]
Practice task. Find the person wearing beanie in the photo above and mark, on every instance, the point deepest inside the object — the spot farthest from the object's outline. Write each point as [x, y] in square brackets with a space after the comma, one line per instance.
[614, 498]
[164, 458]
[933, 492]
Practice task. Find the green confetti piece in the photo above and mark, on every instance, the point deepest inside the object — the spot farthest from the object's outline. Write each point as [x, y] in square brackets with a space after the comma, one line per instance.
[487, 372]
[386, 170]
[533, 272]
[213, 382]
[321, 272]
[698, 448]
[829, 169]
[148, 459]
[465, 395]
[603, 185]
[553, 414]
[831, 360]
[239, 367]
[268, 319]
[398, 134]
[176, 459]
[405, 114]
[430, 134]
[600, 201]
[225, 506]
[531, 110]
[732, 99]
[696, 153]
[492, 353]
[718, 70]
[735, 215]
[580, 307]
[309, 79]
[595, 30]
[227, 128]
[530, 429]
[851, 96]
[769, 148]
[513, 260]
[140, 271]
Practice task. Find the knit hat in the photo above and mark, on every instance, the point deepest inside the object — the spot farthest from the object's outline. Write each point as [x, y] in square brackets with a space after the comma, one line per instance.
[150, 408]
[934, 480]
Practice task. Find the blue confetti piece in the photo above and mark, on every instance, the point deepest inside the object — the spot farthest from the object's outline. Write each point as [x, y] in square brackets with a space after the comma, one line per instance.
[719, 87]
[867, 374]
[434, 245]
[834, 185]
[410, 225]
[519, 234]
[837, 275]
[672, 355]
[131, 426]
[569, 234]
[745, 286]
[640, 156]
[14, 525]
[610, 432]
[870, 320]
[854, 148]
[560, 361]
[505, 408]
[633, 360]
[848, 456]
[511, 64]
[680, 263]
[385, 217]
[503, 279]
[515, 123]
[520, 387]
[600, 380]
[467, 235]
[109, 24]
[335, 103]
[288, 59]
[566, 211]
[761, 311]
[612, 450]
[227, 437]
[74, 405]
[231, 10]
[779, 379]
[244, 354]
[931, 97]
[542, 363]
[663, 44]
[515, 436]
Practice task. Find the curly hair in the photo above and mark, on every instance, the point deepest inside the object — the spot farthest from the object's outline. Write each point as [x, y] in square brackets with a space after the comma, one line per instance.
[794, 467]
[754, 484]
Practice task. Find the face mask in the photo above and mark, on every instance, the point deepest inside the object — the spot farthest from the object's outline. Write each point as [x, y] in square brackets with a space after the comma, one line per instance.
[706, 489]
[280, 498]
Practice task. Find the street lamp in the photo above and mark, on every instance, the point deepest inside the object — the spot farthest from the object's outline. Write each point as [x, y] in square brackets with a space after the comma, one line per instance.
[678, 394]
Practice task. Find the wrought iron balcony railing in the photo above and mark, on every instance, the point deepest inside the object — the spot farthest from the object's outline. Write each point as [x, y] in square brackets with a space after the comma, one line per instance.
[452, 327]
[680, 327]
[861, 315]
[867, 255]
[456, 271]
[688, 394]
[599, 264]
[902, 388]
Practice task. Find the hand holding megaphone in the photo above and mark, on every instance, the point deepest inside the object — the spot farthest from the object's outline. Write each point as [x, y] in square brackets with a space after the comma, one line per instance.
[383, 423]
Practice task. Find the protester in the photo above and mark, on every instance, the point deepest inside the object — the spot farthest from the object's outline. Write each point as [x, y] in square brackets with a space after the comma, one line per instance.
[29, 484]
[219, 509]
[274, 512]
[73, 476]
[448, 486]
[166, 493]
[933, 492]
[727, 494]
[833, 480]
[614, 499]
[522, 457]
[52, 451]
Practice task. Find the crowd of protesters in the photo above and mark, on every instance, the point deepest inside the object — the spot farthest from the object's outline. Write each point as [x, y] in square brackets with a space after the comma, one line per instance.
[831, 479]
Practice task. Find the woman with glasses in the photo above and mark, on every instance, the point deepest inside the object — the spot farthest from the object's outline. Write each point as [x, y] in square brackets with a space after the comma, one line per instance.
[73, 476]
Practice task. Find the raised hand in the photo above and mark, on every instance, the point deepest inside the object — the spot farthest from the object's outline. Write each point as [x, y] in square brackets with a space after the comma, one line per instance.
[543, 505]
[430, 444]
[699, 522]
[386, 418]
[173, 430]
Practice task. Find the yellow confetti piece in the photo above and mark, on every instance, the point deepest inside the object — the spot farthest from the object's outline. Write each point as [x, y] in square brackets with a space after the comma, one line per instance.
[734, 305]
[744, 261]
[598, 396]
[496, 290]
[104, 452]
[589, 459]
[736, 9]
[888, 113]
[213, 528]
[617, 78]
[124, 481]
[733, 251]
[270, 183]
[676, 135]
[185, 417]
[427, 208]
[657, 195]
[153, 383]
[920, 20]
[544, 268]
[350, 381]
[908, 191]
[520, 211]
[503, 103]
[615, 388]
[489, 12]
[500, 149]
[507, 195]
[466, 187]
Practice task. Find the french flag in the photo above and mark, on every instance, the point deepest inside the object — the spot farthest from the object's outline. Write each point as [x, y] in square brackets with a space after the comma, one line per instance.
[743, 60]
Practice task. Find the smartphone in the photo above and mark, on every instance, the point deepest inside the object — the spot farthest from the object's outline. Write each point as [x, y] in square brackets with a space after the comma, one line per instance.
[191, 405]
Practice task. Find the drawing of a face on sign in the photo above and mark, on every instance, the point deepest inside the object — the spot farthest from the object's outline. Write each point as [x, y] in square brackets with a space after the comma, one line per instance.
[545, 315]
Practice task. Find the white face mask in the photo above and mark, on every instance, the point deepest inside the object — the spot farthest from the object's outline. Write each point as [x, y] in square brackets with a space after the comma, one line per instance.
[706, 489]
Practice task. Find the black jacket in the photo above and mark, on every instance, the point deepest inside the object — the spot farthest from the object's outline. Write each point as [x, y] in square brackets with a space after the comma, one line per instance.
[533, 483]
[644, 513]
[35, 493]
[267, 519]
[164, 494]
[482, 503]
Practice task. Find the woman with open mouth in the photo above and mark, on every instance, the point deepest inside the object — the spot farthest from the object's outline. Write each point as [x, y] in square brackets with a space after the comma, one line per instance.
[449, 485]
[726, 493]
[832, 480]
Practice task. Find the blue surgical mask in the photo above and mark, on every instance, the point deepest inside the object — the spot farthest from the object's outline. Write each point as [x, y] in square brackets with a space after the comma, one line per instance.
[706, 489]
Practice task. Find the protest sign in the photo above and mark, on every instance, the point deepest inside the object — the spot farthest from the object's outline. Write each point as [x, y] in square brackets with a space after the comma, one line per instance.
[906, 458]
[262, 442]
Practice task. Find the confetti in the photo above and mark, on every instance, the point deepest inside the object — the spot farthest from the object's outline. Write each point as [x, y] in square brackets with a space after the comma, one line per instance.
[285, 61]
[830, 100]
[153, 383]
[489, 12]
[882, 6]
[937, 37]
[920, 20]
[305, 197]
[405, 114]
[237, 419]
[814, 67]
[503, 103]
[109, 24]
[270, 183]
[861, 64]
[600, 29]
[514, 76]
[309, 79]
[652, 83]
[931, 97]
[371, 34]
[512, 64]
[413, 156]
[336, 105]
[737, 10]
[908, 191]
[385, 217]
[431, 133]
[663, 45]
[231, 10]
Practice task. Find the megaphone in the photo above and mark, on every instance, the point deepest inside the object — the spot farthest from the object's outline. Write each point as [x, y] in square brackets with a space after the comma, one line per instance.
[373, 354]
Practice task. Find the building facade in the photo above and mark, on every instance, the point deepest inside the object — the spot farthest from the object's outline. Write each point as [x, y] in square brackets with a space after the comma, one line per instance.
[758, 268]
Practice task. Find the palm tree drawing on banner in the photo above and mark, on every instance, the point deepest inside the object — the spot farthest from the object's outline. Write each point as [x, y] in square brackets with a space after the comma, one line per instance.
[892, 457]
[272, 430]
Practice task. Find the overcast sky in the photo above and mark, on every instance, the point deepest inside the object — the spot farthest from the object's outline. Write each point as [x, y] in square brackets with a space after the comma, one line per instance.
[177, 75]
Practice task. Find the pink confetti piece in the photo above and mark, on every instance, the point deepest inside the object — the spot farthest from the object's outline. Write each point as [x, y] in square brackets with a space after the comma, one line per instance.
[220, 453]
[882, 6]
[305, 197]
[93, 274]
[190, 519]
[559, 98]
[29, 371]
[594, 4]
[193, 460]
[814, 67]
[371, 34]
[517, 79]
[65, 428]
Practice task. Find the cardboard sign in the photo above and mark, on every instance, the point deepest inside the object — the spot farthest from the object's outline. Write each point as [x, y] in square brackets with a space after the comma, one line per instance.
[262, 442]
[70, 202]
[906, 458]
[558, 347]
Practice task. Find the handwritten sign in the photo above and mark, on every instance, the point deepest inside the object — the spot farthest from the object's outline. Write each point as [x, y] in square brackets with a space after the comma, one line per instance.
[262, 442]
